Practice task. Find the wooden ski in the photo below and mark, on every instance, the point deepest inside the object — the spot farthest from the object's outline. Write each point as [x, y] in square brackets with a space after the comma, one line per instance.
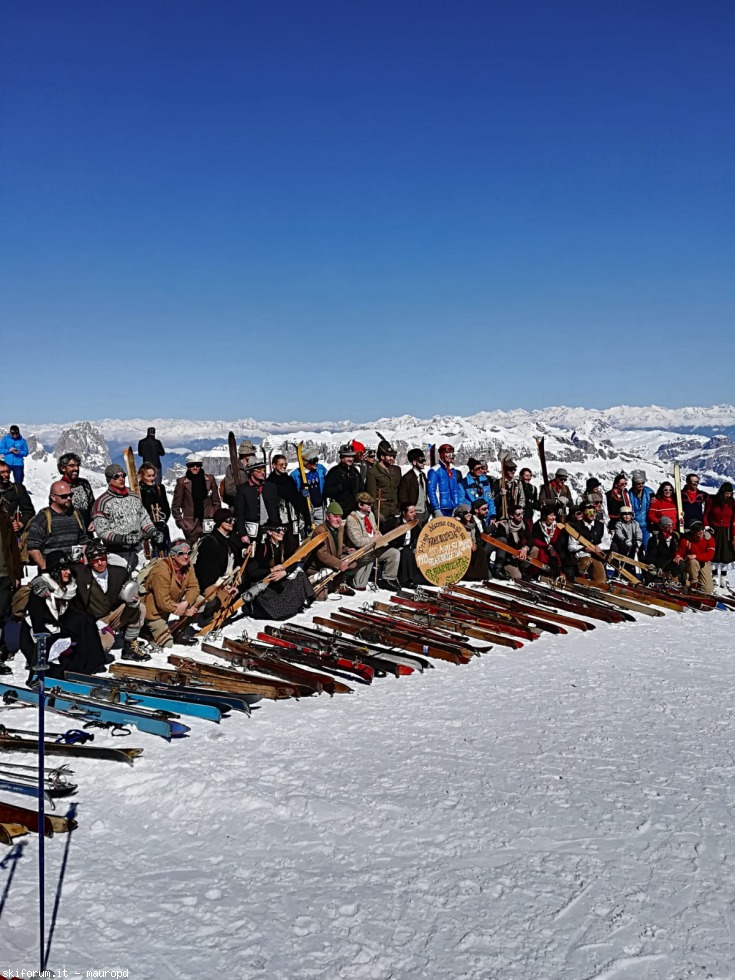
[304, 484]
[515, 552]
[542, 459]
[677, 493]
[380, 541]
[135, 487]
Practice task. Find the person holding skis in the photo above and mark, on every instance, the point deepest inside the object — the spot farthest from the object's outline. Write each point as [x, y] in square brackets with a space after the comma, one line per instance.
[546, 534]
[559, 494]
[171, 589]
[245, 456]
[693, 500]
[361, 528]
[514, 532]
[512, 491]
[256, 503]
[292, 506]
[443, 486]
[316, 474]
[586, 562]
[530, 497]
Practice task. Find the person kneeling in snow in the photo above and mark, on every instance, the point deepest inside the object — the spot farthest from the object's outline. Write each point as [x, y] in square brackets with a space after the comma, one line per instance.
[694, 557]
[108, 593]
[53, 607]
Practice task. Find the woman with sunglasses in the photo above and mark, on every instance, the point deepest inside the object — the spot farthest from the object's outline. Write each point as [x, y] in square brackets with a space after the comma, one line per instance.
[663, 505]
[53, 608]
[289, 591]
[195, 499]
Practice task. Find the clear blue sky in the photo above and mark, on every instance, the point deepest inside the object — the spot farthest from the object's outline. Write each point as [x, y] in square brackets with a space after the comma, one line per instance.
[350, 209]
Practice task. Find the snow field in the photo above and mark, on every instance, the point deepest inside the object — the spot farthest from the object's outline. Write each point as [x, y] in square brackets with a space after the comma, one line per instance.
[562, 812]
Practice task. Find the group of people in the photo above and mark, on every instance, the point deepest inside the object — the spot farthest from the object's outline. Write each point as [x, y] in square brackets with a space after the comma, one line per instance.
[276, 538]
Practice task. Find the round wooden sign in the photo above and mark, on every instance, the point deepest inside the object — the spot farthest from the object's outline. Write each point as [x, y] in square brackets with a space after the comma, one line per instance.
[443, 551]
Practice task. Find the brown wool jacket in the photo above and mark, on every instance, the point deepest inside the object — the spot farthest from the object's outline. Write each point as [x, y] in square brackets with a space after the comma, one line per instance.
[165, 592]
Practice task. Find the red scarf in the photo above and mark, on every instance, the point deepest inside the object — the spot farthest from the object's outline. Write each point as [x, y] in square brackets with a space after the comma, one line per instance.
[368, 525]
[123, 492]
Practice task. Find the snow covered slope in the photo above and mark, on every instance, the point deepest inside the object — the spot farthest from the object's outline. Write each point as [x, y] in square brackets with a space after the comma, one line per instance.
[560, 813]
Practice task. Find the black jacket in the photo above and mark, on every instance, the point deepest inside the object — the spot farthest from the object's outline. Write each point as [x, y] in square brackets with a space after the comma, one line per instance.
[288, 491]
[531, 504]
[343, 483]
[155, 494]
[247, 504]
[660, 552]
[212, 558]
[14, 497]
[408, 488]
[150, 450]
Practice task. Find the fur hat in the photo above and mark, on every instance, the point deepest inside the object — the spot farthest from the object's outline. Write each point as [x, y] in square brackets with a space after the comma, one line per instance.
[665, 521]
[222, 515]
[638, 476]
[414, 454]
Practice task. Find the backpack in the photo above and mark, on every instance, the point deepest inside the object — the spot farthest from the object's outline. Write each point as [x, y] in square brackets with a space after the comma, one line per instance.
[143, 574]
[19, 602]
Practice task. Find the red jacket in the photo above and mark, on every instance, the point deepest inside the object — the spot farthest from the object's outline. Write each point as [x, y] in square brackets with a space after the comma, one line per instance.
[720, 513]
[662, 508]
[545, 551]
[703, 550]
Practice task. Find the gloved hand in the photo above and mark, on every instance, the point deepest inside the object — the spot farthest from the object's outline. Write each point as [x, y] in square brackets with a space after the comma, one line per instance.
[304, 491]
[40, 587]
[154, 535]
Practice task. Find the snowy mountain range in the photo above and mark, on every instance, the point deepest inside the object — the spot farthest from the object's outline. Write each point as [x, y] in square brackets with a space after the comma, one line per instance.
[588, 442]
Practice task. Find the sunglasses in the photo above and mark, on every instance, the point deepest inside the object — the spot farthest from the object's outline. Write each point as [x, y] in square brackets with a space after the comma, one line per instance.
[194, 466]
[63, 496]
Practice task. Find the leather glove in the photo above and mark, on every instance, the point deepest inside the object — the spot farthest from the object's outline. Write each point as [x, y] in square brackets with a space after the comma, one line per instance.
[40, 587]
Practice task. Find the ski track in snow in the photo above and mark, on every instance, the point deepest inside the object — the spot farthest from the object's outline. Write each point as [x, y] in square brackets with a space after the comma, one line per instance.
[564, 811]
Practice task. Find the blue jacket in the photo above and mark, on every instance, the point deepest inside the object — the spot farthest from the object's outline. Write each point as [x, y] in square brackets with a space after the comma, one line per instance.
[8, 443]
[311, 478]
[443, 490]
[640, 506]
[472, 489]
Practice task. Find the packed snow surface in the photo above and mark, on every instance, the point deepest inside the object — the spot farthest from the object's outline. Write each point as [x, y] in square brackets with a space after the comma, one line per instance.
[564, 811]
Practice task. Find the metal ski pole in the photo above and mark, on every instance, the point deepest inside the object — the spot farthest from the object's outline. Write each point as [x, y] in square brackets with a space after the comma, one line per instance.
[40, 667]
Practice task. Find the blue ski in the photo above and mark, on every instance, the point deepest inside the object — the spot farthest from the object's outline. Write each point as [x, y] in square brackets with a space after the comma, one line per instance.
[136, 699]
[95, 711]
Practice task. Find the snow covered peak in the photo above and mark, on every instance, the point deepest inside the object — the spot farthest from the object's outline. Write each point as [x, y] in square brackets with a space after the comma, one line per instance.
[86, 441]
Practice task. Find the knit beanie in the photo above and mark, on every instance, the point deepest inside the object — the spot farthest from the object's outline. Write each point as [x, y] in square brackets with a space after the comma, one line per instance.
[112, 470]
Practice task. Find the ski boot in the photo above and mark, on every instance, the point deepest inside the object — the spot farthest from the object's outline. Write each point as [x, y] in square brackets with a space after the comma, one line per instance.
[132, 651]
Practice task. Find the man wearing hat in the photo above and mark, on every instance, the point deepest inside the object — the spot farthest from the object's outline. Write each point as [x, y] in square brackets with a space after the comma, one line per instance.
[558, 494]
[476, 485]
[413, 487]
[627, 536]
[662, 546]
[581, 560]
[360, 529]
[640, 497]
[218, 552]
[343, 481]
[383, 479]
[256, 502]
[151, 451]
[316, 474]
[442, 484]
[289, 591]
[694, 558]
[171, 589]
[120, 519]
[195, 499]
[332, 554]
[513, 491]
[245, 456]
[110, 595]
[57, 527]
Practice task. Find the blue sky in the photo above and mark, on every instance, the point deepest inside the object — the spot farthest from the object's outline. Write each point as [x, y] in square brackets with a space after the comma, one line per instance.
[333, 210]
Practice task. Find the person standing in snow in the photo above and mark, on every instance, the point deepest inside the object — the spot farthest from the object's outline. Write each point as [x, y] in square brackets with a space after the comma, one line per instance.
[154, 498]
[14, 449]
[195, 499]
[383, 479]
[445, 493]
[343, 481]
[151, 451]
[640, 500]
[121, 520]
[719, 514]
[412, 488]
[558, 495]
[316, 474]
[82, 495]
[693, 500]
[57, 527]
[245, 456]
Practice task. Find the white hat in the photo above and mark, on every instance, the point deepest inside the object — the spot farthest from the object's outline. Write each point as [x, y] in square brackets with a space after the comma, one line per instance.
[193, 458]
